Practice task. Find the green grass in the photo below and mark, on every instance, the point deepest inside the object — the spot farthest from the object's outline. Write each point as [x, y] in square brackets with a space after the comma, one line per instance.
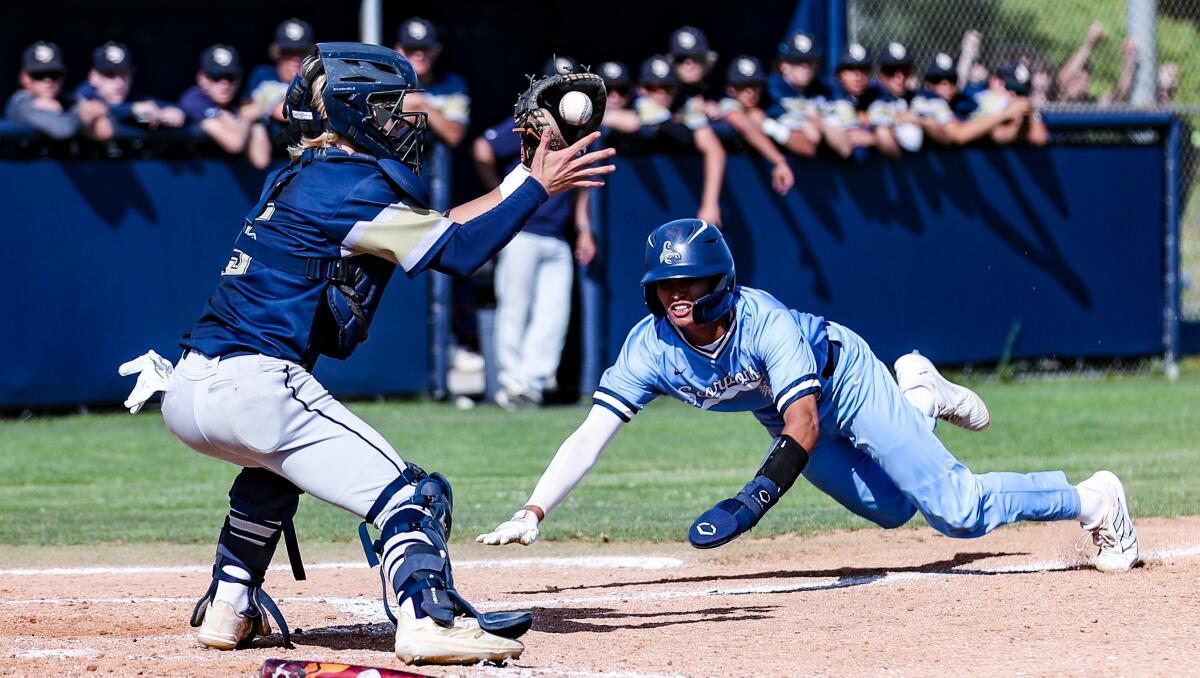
[119, 478]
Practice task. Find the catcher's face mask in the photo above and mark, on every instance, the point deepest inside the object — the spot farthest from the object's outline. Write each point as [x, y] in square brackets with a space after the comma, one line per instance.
[402, 132]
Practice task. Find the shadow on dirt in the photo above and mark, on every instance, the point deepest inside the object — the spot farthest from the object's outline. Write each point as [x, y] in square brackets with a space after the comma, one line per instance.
[378, 637]
[846, 576]
[575, 619]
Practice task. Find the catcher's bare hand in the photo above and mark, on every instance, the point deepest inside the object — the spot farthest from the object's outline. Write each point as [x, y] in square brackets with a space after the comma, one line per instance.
[521, 528]
[559, 171]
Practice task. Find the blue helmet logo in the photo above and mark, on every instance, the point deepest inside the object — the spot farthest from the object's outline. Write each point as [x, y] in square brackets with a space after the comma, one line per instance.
[669, 255]
[690, 248]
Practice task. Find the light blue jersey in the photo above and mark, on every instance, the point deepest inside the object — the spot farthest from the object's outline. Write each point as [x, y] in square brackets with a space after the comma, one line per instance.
[771, 357]
[877, 455]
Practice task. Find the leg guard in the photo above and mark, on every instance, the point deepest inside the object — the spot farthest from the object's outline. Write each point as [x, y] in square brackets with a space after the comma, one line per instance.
[261, 507]
[416, 561]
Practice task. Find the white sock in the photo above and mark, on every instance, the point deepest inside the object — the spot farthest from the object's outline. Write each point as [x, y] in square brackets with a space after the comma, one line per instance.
[923, 399]
[237, 595]
[1092, 506]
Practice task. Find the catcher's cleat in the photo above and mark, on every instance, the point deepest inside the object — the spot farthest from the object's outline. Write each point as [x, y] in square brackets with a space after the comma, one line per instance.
[956, 404]
[224, 629]
[424, 641]
[1114, 532]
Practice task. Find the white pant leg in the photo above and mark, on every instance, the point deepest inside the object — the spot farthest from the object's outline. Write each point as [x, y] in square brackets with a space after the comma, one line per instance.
[260, 411]
[516, 268]
[541, 351]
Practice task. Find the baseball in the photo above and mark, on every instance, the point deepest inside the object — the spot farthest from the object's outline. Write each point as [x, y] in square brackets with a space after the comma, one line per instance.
[575, 108]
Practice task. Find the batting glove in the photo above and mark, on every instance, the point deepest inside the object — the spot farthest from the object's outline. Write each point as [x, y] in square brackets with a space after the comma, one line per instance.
[522, 527]
[154, 373]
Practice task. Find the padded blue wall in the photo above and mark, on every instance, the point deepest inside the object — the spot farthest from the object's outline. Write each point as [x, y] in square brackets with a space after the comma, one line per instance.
[105, 259]
[943, 251]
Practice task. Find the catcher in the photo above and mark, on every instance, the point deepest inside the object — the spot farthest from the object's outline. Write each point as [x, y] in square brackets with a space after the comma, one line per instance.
[304, 279]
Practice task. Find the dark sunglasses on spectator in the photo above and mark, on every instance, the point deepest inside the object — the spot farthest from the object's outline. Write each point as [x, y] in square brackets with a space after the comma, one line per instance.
[890, 71]
[223, 77]
[681, 59]
[46, 75]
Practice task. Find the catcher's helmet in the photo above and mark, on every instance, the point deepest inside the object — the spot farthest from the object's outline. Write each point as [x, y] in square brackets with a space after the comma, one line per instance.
[364, 95]
[690, 248]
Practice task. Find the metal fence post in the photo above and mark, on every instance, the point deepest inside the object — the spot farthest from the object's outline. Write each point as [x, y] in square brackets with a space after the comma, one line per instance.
[441, 294]
[1141, 17]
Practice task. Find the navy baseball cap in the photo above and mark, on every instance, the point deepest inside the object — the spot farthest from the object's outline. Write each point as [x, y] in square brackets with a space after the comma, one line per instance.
[895, 55]
[855, 56]
[615, 74]
[798, 47]
[294, 35]
[689, 41]
[1015, 75]
[941, 67]
[43, 57]
[744, 71]
[560, 65]
[112, 57]
[657, 71]
[417, 33]
[221, 60]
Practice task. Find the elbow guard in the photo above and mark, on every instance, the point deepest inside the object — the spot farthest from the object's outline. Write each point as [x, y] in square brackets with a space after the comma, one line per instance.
[784, 463]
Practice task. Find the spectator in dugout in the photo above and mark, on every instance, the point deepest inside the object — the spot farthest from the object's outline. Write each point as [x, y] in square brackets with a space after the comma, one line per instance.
[110, 83]
[954, 111]
[534, 272]
[445, 98]
[845, 127]
[41, 104]
[796, 95]
[618, 116]
[1008, 92]
[268, 83]
[886, 103]
[741, 112]
[692, 62]
[212, 106]
[686, 128]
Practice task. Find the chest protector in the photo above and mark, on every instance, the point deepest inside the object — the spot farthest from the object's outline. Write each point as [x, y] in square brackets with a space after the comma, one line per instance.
[353, 286]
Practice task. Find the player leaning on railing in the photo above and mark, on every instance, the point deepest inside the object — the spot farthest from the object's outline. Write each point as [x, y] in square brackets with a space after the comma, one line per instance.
[832, 408]
[305, 277]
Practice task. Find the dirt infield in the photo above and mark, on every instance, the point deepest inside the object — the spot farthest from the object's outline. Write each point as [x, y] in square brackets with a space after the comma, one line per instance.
[909, 602]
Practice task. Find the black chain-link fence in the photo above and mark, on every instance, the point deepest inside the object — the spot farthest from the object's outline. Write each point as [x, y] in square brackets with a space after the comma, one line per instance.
[1081, 54]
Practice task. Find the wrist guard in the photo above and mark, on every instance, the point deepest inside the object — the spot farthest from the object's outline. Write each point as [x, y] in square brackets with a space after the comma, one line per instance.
[784, 462]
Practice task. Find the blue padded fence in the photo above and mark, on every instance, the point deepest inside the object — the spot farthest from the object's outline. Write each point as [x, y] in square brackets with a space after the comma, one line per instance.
[949, 251]
[111, 257]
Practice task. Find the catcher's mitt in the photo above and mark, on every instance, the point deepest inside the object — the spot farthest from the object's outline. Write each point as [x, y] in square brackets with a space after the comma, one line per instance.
[538, 109]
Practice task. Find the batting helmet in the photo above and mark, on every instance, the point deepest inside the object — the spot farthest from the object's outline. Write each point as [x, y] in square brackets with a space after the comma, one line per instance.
[363, 96]
[690, 248]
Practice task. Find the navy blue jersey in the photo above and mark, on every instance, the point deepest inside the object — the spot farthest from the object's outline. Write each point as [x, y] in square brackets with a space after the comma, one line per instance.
[122, 112]
[963, 105]
[328, 210]
[770, 358]
[882, 106]
[555, 217]
[786, 98]
[198, 106]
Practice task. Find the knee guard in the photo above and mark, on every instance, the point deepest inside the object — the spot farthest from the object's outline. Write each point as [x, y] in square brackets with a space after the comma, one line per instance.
[415, 536]
[261, 508]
